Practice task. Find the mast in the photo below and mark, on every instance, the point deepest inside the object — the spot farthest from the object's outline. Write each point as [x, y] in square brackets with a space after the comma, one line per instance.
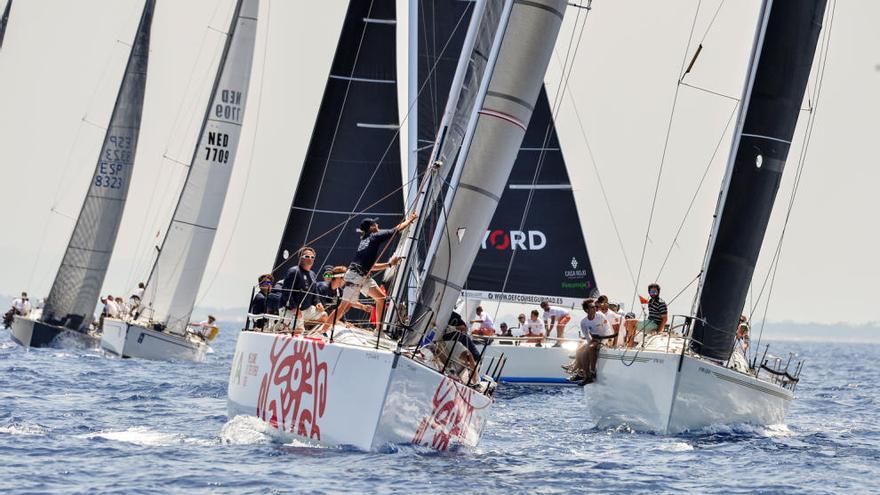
[510, 54]
[178, 270]
[4, 21]
[353, 160]
[779, 70]
[75, 290]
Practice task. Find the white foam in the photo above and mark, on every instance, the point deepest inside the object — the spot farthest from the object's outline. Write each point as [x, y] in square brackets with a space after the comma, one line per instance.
[24, 429]
[245, 430]
[140, 435]
[676, 447]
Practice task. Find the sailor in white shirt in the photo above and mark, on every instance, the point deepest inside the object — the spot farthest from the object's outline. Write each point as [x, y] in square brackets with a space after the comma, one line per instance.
[137, 296]
[555, 316]
[534, 328]
[22, 305]
[593, 326]
[111, 309]
[613, 318]
[485, 325]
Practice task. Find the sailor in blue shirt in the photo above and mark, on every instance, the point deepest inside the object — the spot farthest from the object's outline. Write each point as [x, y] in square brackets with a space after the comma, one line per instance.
[357, 278]
[300, 291]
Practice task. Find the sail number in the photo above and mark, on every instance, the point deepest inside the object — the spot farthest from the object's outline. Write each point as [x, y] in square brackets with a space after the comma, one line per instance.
[229, 107]
[116, 154]
[217, 148]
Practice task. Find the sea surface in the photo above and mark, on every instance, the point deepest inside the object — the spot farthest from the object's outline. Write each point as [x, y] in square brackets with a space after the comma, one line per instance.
[76, 421]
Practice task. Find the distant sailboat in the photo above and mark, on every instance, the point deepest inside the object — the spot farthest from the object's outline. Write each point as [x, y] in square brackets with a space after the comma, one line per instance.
[533, 250]
[71, 303]
[4, 21]
[160, 331]
[366, 391]
[695, 379]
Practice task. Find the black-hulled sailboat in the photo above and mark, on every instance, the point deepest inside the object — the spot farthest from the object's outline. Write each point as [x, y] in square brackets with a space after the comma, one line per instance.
[70, 306]
[534, 249]
[696, 379]
[358, 389]
[161, 328]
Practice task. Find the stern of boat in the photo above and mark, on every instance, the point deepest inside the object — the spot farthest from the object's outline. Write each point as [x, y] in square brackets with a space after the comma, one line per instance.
[30, 332]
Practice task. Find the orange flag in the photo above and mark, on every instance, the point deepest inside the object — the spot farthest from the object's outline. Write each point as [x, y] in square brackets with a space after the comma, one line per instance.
[643, 300]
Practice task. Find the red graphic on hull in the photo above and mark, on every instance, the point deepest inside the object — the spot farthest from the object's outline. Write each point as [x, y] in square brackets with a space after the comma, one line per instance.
[451, 419]
[293, 394]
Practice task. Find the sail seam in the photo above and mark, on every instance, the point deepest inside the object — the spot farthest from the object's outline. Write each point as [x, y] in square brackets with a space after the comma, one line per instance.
[541, 6]
[479, 190]
[237, 124]
[761, 136]
[503, 116]
[514, 99]
[195, 225]
[363, 79]
[443, 282]
[352, 213]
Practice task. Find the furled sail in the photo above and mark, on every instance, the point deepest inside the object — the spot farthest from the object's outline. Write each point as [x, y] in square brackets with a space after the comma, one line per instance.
[549, 240]
[178, 270]
[506, 62]
[4, 21]
[352, 166]
[780, 66]
[78, 282]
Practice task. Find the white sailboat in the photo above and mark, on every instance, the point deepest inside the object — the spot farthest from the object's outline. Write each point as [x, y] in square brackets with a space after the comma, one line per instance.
[365, 391]
[694, 377]
[70, 306]
[161, 331]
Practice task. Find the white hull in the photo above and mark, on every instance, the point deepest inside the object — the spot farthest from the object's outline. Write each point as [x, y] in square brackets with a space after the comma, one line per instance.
[30, 332]
[528, 364]
[132, 340]
[669, 393]
[338, 394]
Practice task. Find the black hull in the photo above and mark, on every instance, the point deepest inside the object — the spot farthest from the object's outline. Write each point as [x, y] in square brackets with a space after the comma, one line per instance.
[30, 333]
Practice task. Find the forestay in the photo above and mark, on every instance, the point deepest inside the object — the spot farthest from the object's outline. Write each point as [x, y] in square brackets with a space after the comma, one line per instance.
[352, 166]
[522, 43]
[179, 268]
[77, 284]
[782, 57]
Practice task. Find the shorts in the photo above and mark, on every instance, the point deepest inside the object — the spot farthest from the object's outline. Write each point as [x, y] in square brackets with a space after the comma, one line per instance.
[647, 326]
[355, 284]
[309, 315]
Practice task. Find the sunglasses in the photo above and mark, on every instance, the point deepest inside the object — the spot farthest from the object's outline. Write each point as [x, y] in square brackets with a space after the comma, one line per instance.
[308, 256]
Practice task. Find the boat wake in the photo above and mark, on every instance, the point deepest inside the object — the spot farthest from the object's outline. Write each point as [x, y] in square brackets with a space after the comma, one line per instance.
[24, 429]
[248, 430]
[143, 436]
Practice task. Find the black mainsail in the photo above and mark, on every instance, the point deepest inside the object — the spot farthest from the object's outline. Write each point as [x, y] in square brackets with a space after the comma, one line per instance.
[779, 71]
[75, 291]
[4, 21]
[352, 166]
[542, 236]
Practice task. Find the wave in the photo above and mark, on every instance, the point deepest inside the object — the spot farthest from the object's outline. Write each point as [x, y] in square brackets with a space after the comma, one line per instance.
[141, 435]
[24, 429]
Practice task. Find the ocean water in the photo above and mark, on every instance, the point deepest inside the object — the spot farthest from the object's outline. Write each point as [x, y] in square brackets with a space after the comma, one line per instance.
[76, 421]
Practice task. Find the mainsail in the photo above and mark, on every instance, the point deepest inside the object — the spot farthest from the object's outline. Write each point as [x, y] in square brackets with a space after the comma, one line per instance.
[4, 21]
[352, 166]
[496, 86]
[178, 270]
[779, 70]
[77, 284]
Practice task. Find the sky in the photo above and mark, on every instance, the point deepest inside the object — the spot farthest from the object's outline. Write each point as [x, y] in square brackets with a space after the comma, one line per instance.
[61, 64]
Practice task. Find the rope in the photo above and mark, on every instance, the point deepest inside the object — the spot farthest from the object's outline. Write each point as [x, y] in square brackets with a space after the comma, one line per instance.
[808, 134]
[663, 155]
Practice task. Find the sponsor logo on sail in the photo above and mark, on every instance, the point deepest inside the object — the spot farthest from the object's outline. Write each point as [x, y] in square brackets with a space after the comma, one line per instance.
[522, 240]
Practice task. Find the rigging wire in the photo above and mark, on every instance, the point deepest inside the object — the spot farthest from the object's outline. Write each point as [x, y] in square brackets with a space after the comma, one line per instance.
[808, 134]
[663, 155]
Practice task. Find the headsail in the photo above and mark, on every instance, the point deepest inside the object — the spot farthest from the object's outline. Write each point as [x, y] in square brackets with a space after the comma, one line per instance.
[4, 21]
[782, 58]
[550, 241]
[353, 161]
[78, 282]
[177, 273]
[506, 58]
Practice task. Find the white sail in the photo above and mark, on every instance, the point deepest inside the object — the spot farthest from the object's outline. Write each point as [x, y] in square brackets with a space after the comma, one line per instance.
[77, 284]
[179, 267]
[487, 152]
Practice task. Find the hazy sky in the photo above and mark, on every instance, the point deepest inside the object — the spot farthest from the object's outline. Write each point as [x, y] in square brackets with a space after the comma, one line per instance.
[61, 63]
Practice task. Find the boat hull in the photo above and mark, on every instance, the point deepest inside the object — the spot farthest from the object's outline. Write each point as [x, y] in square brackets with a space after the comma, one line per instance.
[528, 364]
[346, 395]
[28, 332]
[128, 340]
[671, 393]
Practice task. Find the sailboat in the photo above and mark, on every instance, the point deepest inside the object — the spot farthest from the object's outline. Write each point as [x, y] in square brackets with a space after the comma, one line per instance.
[161, 330]
[685, 381]
[70, 306]
[4, 20]
[536, 228]
[365, 390]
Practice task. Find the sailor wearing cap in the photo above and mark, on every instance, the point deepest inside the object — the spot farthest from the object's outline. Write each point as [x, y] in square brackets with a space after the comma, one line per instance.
[258, 304]
[357, 277]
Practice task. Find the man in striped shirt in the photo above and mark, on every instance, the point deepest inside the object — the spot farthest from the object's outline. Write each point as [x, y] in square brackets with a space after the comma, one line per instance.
[658, 314]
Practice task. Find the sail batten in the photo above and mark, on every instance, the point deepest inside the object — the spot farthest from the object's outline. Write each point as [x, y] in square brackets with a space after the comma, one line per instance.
[778, 75]
[82, 270]
[352, 167]
[180, 265]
